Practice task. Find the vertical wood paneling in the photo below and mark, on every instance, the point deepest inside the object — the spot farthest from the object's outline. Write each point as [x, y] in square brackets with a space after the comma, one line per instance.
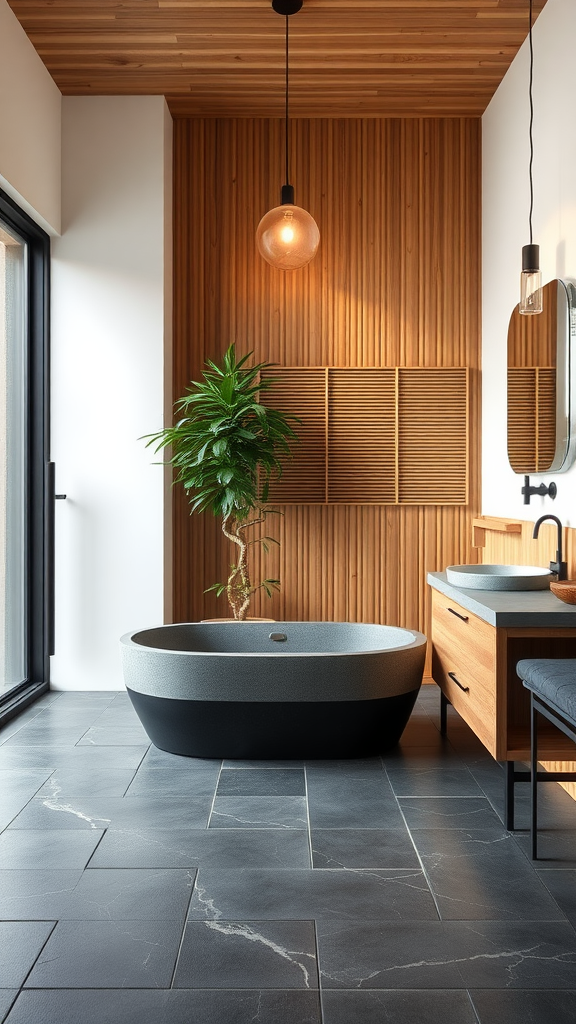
[395, 283]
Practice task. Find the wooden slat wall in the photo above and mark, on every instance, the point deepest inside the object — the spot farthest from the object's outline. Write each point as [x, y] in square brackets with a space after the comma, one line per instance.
[395, 283]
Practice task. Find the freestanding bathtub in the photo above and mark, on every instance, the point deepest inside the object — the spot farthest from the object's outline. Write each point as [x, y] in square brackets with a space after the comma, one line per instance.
[273, 690]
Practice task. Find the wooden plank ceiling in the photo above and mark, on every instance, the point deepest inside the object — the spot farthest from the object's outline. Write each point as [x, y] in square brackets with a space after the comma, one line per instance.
[225, 58]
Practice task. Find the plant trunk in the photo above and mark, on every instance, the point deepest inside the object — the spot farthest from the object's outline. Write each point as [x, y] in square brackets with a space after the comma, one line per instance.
[238, 587]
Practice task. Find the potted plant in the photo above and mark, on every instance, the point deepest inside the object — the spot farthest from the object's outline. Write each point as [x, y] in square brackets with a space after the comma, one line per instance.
[225, 449]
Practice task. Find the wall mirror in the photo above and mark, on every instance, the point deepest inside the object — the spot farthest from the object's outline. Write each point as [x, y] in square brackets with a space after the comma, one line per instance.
[542, 384]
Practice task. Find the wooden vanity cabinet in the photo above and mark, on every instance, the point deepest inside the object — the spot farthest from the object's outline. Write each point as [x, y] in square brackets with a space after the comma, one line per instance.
[474, 664]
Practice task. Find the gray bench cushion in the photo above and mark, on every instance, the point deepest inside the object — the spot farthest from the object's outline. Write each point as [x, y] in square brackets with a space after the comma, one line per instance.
[554, 680]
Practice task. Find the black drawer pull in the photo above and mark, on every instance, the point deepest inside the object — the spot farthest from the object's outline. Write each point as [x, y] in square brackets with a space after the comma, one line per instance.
[458, 683]
[463, 617]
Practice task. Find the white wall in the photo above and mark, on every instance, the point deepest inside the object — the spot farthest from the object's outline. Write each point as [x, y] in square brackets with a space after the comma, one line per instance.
[505, 231]
[29, 126]
[109, 309]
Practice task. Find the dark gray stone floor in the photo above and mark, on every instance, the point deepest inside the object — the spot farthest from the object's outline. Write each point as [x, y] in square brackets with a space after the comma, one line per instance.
[143, 888]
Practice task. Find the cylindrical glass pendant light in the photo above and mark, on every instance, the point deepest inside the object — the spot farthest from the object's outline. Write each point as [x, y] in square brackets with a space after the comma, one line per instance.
[287, 236]
[531, 280]
[531, 276]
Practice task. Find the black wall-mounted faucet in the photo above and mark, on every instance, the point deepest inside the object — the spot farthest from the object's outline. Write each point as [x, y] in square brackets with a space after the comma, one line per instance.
[559, 567]
[528, 491]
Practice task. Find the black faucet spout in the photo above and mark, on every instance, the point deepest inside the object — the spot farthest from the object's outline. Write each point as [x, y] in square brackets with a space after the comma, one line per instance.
[559, 567]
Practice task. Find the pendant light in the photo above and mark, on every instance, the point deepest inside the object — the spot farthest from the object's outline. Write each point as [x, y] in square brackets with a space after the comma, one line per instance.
[287, 236]
[531, 276]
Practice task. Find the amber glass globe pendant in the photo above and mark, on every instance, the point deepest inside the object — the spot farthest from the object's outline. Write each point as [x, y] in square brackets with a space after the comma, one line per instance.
[287, 236]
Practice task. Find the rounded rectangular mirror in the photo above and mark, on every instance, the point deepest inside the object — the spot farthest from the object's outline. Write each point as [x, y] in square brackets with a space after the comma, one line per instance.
[541, 391]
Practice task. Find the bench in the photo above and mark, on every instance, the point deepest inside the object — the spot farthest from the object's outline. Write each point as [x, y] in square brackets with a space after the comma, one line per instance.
[552, 685]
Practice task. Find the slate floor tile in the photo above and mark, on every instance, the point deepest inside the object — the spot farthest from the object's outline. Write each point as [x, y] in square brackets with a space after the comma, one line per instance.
[94, 895]
[66, 784]
[353, 767]
[17, 787]
[428, 1006]
[113, 736]
[7, 997]
[298, 895]
[171, 783]
[260, 782]
[562, 886]
[20, 942]
[363, 848]
[108, 954]
[479, 874]
[156, 758]
[129, 813]
[31, 849]
[264, 765]
[343, 802]
[248, 954]
[51, 734]
[556, 847]
[447, 954]
[259, 812]
[15, 724]
[175, 1006]
[219, 848]
[547, 1007]
[40, 895]
[449, 812]
[78, 758]
[434, 781]
[422, 756]
[129, 894]
[420, 731]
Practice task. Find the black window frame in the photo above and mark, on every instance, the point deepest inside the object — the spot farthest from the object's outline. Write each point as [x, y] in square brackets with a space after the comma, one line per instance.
[39, 506]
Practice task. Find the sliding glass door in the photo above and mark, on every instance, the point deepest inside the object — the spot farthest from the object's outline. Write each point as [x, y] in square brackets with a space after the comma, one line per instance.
[24, 511]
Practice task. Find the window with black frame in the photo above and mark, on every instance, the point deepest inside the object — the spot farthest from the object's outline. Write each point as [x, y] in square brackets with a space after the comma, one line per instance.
[25, 513]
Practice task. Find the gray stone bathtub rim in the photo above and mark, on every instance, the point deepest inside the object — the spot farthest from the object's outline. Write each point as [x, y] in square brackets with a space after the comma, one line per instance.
[281, 674]
[413, 638]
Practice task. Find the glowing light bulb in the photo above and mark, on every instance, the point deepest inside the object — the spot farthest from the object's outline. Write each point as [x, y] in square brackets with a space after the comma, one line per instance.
[287, 229]
[287, 237]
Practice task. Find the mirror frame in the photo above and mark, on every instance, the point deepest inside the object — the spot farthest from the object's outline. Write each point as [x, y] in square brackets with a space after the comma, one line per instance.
[565, 450]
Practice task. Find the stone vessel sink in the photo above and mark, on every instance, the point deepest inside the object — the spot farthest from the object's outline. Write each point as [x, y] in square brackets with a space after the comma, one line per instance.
[499, 577]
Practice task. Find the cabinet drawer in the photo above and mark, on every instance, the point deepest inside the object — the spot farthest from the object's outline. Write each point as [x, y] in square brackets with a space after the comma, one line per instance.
[464, 665]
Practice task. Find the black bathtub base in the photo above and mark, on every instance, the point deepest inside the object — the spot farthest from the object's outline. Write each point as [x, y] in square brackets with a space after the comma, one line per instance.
[269, 730]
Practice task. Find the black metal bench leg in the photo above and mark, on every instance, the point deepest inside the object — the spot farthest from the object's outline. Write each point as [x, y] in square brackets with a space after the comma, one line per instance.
[533, 778]
[444, 702]
[509, 796]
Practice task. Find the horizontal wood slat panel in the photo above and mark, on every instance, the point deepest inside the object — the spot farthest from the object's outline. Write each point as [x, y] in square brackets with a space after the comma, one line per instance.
[432, 436]
[362, 436]
[301, 393]
[394, 285]
[376, 435]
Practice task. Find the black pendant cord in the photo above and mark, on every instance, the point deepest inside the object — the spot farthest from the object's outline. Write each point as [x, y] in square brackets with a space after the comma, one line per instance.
[286, 111]
[531, 125]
